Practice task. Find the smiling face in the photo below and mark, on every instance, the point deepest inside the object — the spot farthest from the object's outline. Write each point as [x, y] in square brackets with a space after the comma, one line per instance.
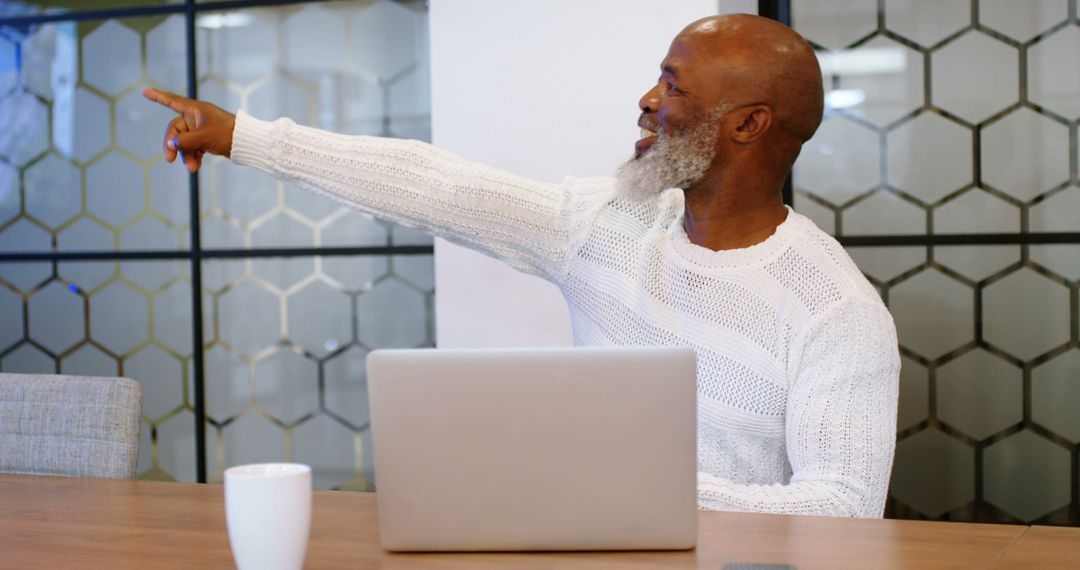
[684, 95]
[682, 118]
[734, 91]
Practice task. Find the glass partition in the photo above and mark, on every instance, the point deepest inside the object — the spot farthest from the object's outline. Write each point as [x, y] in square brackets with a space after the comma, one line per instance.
[98, 272]
[947, 163]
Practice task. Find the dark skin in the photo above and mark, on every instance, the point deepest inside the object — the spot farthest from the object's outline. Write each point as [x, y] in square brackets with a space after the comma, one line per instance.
[766, 71]
[199, 128]
[770, 76]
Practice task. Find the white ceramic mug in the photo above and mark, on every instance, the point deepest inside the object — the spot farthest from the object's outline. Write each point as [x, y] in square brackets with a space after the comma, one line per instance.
[268, 511]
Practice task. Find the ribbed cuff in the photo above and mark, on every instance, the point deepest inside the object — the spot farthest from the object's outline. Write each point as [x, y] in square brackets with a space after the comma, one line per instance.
[253, 140]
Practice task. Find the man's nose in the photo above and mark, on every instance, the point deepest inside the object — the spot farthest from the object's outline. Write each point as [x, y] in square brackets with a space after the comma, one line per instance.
[650, 101]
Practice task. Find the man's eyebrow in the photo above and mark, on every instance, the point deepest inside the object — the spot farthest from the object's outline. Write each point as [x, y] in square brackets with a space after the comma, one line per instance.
[668, 69]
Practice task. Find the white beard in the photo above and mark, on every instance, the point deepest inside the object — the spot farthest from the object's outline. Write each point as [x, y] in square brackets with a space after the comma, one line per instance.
[673, 161]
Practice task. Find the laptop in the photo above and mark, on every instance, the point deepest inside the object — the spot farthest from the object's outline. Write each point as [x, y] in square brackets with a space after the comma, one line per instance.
[535, 449]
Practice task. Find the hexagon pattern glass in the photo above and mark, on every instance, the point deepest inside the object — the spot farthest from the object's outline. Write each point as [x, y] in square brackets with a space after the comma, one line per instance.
[289, 362]
[961, 117]
[926, 103]
[111, 329]
[87, 140]
[81, 169]
[367, 74]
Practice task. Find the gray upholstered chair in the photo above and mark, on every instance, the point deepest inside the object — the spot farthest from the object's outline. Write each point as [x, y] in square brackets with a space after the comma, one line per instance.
[78, 426]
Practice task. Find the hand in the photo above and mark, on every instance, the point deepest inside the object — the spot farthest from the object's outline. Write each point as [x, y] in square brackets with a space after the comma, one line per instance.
[200, 128]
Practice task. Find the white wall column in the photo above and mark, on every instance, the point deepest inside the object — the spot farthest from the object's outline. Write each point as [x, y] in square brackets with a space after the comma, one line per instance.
[545, 89]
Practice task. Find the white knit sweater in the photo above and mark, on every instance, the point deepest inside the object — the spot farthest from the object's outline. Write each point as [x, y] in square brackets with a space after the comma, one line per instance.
[798, 368]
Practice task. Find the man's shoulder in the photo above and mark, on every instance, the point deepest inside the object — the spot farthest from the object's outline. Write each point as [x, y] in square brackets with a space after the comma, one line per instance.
[844, 300]
[834, 271]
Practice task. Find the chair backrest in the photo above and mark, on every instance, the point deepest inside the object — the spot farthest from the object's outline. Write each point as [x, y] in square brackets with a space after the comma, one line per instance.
[78, 426]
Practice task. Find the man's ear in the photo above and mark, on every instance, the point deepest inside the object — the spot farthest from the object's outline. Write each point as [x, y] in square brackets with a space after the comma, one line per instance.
[754, 121]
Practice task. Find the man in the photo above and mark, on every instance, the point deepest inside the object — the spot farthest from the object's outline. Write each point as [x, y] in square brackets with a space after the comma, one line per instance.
[689, 245]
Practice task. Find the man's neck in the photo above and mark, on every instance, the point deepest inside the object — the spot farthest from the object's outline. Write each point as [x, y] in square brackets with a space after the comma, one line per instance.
[720, 219]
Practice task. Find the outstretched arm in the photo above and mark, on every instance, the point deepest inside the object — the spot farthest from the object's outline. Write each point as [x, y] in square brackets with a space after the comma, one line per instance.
[841, 423]
[533, 226]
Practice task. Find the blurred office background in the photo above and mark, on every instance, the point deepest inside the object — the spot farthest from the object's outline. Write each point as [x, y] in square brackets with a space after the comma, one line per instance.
[947, 163]
[284, 337]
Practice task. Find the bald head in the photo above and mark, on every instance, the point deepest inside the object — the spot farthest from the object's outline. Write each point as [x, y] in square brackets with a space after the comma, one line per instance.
[737, 97]
[758, 60]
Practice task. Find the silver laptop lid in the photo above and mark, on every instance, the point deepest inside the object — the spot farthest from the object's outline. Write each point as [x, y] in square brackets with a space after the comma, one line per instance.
[535, 449]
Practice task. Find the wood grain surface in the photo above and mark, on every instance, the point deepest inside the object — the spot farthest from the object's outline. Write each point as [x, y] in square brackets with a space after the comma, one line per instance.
[1044, 547]
[52, 522]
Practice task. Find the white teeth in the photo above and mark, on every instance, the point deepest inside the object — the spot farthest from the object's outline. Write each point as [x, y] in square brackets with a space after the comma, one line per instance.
[647, 133]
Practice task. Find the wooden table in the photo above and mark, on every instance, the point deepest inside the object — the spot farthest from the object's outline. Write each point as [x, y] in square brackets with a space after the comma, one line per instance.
[1044, 547]
[48, 522]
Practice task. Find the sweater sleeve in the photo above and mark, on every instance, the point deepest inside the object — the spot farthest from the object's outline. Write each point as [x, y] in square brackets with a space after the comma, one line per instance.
[533, 226]
[840, 422]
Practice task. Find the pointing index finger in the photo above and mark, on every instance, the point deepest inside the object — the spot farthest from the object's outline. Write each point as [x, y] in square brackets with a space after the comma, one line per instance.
[170, 100]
